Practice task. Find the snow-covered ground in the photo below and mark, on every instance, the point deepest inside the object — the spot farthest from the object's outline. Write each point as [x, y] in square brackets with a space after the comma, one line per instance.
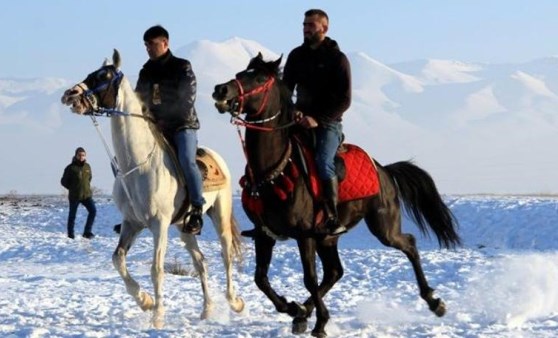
[502, 283]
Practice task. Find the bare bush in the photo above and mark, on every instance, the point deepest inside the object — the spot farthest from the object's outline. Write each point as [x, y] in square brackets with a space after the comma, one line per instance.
[177, 268]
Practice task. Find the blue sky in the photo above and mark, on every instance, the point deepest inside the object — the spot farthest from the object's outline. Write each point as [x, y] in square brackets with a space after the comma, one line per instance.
[56, 38]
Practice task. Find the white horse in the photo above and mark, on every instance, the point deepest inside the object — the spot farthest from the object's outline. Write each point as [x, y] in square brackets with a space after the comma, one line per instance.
[148, 191]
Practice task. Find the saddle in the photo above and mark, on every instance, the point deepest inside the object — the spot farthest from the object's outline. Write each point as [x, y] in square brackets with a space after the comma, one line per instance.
[356, 171]
[212, 175]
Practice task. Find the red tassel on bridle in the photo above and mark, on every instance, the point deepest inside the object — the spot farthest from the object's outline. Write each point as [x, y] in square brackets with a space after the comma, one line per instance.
[288, 183]
[279, 192]
[294, 170]
[250, 201]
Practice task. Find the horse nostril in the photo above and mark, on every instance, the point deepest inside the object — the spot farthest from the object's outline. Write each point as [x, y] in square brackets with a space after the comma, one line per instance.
[221, 91]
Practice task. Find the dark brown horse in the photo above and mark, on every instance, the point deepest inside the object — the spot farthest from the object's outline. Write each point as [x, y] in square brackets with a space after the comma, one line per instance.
[258, 93]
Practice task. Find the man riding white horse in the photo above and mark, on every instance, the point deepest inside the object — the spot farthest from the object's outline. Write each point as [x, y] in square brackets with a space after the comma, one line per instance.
[167, 85]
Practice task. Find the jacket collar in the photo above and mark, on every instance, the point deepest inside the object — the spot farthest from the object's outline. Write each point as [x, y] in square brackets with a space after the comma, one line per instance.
[326, 44]
[160, 61]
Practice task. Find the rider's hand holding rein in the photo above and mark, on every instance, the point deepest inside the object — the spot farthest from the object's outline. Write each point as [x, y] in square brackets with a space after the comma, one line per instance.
[307, 122]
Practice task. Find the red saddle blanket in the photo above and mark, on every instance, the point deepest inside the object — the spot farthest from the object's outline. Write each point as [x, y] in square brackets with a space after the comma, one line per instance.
[361, 177]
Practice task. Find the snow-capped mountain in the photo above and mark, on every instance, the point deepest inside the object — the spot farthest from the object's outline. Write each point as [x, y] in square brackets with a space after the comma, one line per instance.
[476, 127]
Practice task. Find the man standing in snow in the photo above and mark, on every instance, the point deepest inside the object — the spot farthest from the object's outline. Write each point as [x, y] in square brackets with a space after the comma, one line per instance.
[77, 179]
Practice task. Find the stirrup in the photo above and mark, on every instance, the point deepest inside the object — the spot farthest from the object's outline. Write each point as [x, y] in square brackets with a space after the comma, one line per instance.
[195, 223]
[249, 233]
[334, 228]
[337, 231]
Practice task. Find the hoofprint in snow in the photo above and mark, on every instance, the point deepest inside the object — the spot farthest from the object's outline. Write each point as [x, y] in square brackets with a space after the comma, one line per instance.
[501, 284]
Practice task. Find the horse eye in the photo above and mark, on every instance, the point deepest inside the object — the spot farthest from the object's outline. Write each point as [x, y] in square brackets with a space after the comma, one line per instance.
[261, 79]
[104, 75]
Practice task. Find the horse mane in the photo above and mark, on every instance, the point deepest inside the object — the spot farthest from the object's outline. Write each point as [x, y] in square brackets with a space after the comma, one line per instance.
[271, 68]
[148, 114]
[285, 96]
[126, 86]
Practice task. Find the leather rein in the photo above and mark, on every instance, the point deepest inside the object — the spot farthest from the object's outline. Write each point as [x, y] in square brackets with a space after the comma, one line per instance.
[90, 95]
[265, 88]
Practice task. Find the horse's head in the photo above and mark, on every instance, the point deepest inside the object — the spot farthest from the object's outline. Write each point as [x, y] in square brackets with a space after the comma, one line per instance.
[248, 92]
[99, 89]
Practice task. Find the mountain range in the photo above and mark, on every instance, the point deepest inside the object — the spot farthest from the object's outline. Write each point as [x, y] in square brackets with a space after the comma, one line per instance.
[475, 127]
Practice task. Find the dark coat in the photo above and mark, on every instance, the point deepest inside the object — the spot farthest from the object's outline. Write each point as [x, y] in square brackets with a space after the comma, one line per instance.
[77, 179]
[322, 77]
[168, 87]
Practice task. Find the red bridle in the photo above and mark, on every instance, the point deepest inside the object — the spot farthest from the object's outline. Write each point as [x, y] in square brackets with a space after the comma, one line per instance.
[265, 88]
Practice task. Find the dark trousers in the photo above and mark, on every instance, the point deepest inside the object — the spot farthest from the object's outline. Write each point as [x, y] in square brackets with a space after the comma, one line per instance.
[89, 204]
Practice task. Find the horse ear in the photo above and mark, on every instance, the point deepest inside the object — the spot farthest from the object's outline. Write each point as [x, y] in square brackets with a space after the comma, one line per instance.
[116, 60]
[277, 62]
[259, 56]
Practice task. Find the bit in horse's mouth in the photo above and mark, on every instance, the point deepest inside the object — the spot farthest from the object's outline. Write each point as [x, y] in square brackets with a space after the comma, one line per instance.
[223, 106]
[76, 105]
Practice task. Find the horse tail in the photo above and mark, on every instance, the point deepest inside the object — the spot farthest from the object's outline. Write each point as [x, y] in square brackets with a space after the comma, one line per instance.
[423, 202]
[237, 252]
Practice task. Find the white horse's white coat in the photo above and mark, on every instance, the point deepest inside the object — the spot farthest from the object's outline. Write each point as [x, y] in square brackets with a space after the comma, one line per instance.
[154, 197]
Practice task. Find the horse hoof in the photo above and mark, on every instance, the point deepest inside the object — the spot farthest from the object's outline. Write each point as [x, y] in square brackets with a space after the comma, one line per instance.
[145, 301]
[158, 322]
[299, 325]
[296, 310]
[237, 305]
[207, 311]
[319, 334]
[439, 309]
[204, 315]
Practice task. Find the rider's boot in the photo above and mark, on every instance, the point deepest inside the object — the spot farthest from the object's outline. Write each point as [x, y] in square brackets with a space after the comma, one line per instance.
[330, 194]
[195, 223]
[249, 233]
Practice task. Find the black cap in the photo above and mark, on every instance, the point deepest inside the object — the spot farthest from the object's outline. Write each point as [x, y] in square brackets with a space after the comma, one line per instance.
[155, 32]
[79, 150]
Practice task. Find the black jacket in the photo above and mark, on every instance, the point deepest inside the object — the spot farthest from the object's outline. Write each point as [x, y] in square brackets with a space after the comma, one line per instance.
[77, 179]
[168, 87]
[322, 78]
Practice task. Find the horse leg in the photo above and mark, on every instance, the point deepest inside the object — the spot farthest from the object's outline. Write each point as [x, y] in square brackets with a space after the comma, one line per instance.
[333, 272]
[160, 241]
[385, 223]
[264, 249]
[198, 260]
[128, 235]
[307, 249]
[223, 220]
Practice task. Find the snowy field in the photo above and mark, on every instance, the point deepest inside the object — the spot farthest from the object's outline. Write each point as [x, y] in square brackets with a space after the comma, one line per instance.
[502, 283]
